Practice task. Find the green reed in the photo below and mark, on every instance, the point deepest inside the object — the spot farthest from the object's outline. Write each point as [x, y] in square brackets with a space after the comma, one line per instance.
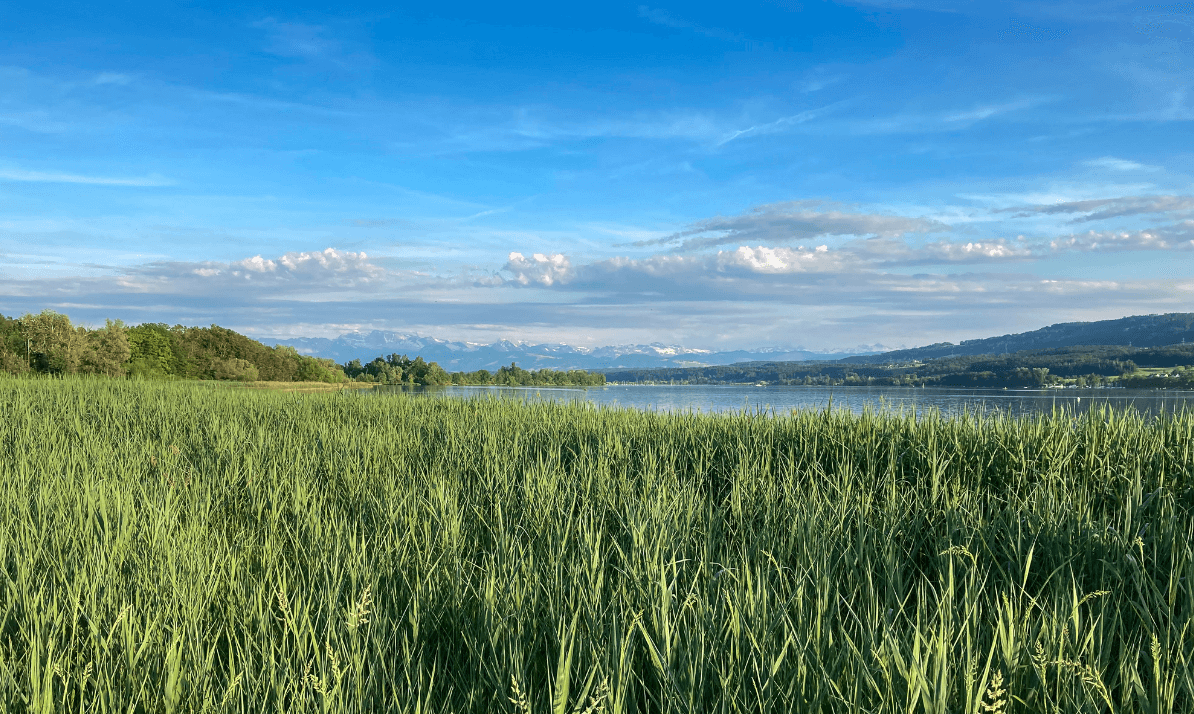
[173, 548]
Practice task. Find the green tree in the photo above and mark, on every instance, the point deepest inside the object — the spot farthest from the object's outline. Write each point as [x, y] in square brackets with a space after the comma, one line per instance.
[153, 351]
[104, 351]
[55, 346]
[13, 356]
[313, 369]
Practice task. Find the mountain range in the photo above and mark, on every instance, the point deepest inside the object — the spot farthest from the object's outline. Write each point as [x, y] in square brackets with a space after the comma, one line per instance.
[1137, 331]
[467, 356]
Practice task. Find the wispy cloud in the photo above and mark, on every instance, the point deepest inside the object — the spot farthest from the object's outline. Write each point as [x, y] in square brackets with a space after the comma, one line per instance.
[116, 78]
[295, 39]
[1113, 164]
[59, 177]
[1105, 208]
[1024, 32]
[778, 125]
[666, 19]
[939, 121]
[791, 222]
[987, 111]
[819, 79]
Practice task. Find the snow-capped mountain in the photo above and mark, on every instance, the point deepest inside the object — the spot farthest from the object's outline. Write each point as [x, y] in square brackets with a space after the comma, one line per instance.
[466, 356]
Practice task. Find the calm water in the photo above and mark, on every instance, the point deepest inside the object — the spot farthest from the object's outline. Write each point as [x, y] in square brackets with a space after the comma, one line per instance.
[721, 398]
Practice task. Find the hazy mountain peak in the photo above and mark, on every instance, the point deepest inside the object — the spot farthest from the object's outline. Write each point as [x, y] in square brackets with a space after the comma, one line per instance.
[468, 356]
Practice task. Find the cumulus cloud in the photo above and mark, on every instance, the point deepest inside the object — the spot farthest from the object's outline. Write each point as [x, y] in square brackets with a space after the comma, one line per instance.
[998, 249]
[745, 269]
[776, 261]
[556, 270]
[1179, 236]
[882, 252]
[817, 277]
[791, 222]
[1104, 208]
[760, 294]
[326, 269]
[685, 271]
[539, 269]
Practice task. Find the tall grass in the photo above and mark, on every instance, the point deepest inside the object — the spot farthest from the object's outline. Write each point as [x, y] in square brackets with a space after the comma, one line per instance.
[171, 548]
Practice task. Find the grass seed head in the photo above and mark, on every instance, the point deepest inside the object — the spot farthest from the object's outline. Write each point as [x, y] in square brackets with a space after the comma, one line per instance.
[995, 701]
[519, 698]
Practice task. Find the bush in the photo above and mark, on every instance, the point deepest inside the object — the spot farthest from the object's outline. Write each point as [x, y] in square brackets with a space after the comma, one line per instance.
[234, 369]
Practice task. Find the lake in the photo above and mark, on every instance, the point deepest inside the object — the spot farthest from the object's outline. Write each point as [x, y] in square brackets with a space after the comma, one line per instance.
[780, 399]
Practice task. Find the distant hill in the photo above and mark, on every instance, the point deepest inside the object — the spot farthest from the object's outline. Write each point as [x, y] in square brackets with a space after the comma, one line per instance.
[1167, 367]
[454, 356]
[1138, 331]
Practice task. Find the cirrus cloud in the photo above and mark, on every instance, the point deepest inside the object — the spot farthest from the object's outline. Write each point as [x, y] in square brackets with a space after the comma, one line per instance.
[1105, 208]
[791, 222]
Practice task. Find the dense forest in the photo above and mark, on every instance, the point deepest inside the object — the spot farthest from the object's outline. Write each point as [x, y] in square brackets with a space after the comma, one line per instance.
[1081, 366]
[47, 343]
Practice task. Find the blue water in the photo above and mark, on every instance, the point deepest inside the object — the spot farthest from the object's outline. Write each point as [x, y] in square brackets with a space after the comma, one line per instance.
[778, 399]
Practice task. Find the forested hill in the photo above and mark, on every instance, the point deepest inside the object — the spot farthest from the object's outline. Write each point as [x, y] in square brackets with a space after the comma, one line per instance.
[1138, 331]
[48, 344]
[1170, 367]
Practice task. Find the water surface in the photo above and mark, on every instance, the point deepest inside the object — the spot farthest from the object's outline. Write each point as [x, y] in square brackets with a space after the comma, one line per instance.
[780, 399]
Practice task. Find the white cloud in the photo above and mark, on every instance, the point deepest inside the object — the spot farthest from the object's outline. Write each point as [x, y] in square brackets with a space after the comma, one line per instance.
[976, 250]
[1179, 236]
[778, 125]
[881, 252]
[539, 269]
[986, 112]
[57, 177]
[1105, 208]
[776, 261]
[791, 222]
[329, 269]
[1113, 164]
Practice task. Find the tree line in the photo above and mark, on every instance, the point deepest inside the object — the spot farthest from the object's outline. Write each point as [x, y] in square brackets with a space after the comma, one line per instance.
[399, 369]
[48, 343]
[1084, 366]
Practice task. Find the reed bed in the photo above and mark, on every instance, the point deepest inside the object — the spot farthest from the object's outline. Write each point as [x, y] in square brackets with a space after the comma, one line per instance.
[172, 548]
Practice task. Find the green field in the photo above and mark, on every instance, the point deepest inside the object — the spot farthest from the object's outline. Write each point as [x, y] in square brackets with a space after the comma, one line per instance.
[170, 547]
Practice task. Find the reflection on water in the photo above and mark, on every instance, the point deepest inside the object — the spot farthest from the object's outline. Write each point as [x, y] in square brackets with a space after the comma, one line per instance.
[776, 399]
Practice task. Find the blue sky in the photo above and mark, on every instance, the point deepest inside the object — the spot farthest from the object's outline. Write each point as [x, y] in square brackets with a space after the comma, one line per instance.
[737, 175]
